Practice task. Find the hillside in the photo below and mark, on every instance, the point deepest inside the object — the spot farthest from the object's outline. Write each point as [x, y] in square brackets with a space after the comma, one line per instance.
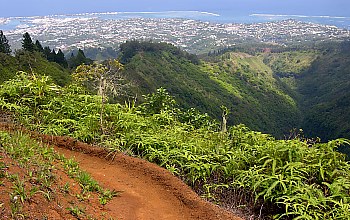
[244, 171]
[273, 92]
[291, 62]
[39, 181]
[318, 80]
[183, 79]
[289, 65]
[242, 83]
[261, 101]
[325, 94]
[26, 61]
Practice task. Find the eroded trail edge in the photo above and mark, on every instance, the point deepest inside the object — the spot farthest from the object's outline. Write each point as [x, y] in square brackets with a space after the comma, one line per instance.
[147, 190]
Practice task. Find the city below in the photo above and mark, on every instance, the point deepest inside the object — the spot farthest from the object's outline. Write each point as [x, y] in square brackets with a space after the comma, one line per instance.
[101, 30]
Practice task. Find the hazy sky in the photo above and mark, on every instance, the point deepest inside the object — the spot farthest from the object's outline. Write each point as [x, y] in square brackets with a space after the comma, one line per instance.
[47, 7]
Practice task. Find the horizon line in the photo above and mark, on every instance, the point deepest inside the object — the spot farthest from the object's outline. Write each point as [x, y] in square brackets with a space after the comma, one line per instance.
[299, 16]
[117, 12]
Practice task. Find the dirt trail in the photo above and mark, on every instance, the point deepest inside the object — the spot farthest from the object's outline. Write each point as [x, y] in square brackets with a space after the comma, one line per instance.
[149, 192]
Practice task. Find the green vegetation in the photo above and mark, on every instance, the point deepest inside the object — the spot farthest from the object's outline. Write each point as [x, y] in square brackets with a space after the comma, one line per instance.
[325, 94]
[287, 63]
[253, 88]
[269, 88]
[131, 48]
[78, 59]
[32, 58]
[52, 56]
[191, 87]
[4, 44]
[318, 80]
[27, 43]
[300, 178]
[37, 176]
[271, 92]
[26, 61]
[239, 81]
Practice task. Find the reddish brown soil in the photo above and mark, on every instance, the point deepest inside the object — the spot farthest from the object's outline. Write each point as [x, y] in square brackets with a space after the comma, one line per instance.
[37, 206]
[147, 190]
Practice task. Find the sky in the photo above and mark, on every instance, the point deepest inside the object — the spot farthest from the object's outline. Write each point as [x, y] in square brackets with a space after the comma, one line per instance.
[11, 8]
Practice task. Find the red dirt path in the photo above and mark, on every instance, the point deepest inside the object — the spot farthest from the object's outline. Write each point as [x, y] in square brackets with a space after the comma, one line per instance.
[147, 191]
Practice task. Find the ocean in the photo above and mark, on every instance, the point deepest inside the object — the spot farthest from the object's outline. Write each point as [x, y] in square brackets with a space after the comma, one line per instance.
[11, 23]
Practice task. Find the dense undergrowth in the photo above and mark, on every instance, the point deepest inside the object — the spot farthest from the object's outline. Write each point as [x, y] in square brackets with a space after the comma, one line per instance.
[301, 179]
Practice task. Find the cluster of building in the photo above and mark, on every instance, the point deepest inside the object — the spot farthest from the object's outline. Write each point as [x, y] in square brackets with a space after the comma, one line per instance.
[93, 31]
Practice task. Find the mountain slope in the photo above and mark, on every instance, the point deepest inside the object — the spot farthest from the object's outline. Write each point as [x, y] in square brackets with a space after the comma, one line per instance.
[238, 168]
[262, 101]
[238, 81]
[325, 90]
[26, 61]
[184, 80]
[319, 81]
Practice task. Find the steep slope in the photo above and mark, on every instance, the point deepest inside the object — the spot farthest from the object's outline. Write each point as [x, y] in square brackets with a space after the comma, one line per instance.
[145, 191]
[318, 80]
[25, 61]
[291, 62]
[184, 80]
[238, 168]
[325, 90]
[261, 100]
[289, 65]
[238, 81]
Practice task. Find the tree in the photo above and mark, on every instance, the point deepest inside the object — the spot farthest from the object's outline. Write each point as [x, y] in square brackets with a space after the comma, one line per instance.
[225, 112]
[38, 47]
[79, 59]
[157, 102]
[52, 56]
[4, 45]
[106, 80]
[47, 52]
[60, 59]
[27, 43]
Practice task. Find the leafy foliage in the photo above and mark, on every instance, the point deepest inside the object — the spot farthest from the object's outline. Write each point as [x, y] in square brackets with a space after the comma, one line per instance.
[273, 92]
[4, 45]
[78, 59]
[100, 78]
[27, 43]
[240, 81]
[325, 94]
[130, 48]
[28, 62]
[302, 179]
[253, 88]
[158, 102]
[289, 63]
